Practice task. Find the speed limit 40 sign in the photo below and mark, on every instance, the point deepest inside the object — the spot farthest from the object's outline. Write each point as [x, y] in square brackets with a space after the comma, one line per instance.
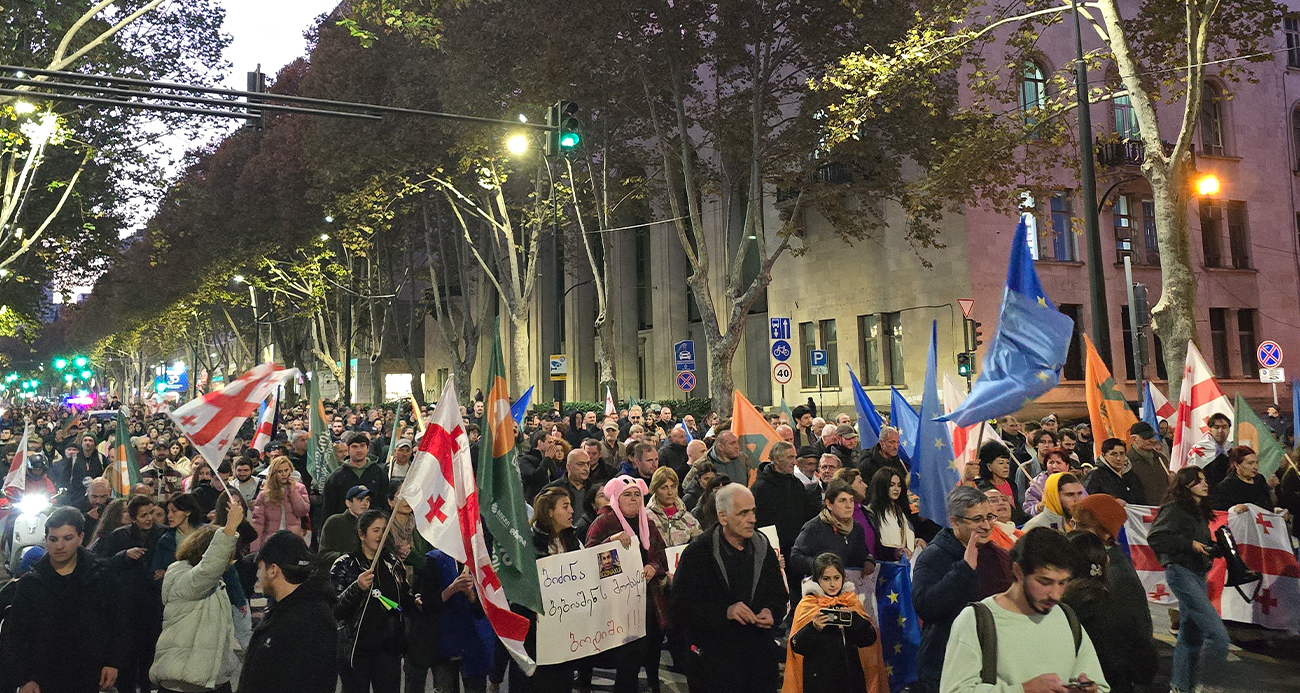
[782, 373]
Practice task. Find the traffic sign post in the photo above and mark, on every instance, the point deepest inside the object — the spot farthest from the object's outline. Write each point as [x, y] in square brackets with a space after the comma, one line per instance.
[686, 381]
[684, 355]
[779, 332]
[1269, 354]
[781, 350]
[782, 373]
[779, 328]
[559, 367]
[966, 305]
[818, 366]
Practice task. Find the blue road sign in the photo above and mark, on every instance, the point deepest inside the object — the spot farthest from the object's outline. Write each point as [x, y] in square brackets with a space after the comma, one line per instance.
[818, 357]
[780, 328]
[684, 351]
[1269, 354]
[781, 350]
[686, 381]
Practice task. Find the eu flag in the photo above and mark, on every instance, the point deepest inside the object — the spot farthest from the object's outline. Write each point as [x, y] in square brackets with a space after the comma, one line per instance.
[900, 629]
[1149, 408]
[519, 409]
[869, 421]
[1024, 359]
[934, 467]
[907, 421]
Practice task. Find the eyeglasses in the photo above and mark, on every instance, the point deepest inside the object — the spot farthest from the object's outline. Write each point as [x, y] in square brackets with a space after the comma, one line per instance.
[979, 519]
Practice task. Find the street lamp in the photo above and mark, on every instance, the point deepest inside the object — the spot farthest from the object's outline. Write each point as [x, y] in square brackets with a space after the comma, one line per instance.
[517, 144]
[1207, 185]
[24, 107]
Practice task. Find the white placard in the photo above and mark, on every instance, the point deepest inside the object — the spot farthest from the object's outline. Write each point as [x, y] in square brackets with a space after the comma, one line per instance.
[772, 537]
[593, 600]
[674, 554]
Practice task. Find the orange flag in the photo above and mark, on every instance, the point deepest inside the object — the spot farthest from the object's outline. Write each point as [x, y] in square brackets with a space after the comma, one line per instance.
[756, 436]
[1108, 412]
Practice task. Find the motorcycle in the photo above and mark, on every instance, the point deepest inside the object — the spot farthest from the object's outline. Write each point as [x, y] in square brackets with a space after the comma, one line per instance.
[28, 528]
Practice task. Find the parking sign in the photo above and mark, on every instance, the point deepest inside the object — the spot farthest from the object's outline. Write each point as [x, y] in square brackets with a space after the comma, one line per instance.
[817, 359]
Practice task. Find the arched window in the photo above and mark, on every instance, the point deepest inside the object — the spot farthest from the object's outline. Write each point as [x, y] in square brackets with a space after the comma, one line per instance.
[1212, 140]
[1295, 136]
[1033, 92]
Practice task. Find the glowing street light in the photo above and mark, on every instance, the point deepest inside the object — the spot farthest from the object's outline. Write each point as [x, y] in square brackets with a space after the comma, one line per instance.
[517, 144]
[24, 107]
[1207, 185]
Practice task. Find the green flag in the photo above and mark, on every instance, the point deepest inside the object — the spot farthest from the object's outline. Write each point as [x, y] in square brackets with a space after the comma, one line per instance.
[124, 471]
[1252, 432]
[320, 448]
[500, 491]
[789, 415]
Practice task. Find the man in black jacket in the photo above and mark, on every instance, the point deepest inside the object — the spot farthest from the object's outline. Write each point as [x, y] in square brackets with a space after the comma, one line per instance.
[780, 499]
[536, 468]
[1116, 476]
[360, 469]
[294, 647]
[883, 453]
[66, 617]
[728, 594]
[673, 453]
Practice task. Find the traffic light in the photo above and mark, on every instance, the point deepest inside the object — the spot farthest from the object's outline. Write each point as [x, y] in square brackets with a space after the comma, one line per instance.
[86, 375]
[80, 361]
[256, 84]
[965, 364]
[977, 335]
[60, 363]
[565, 137]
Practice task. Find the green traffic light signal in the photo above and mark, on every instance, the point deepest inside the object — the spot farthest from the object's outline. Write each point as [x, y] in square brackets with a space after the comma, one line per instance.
[80, 361]
[67, 378]
[569, 140]
[60, 363]
[965, 364]
[566, 135]
[85, 375]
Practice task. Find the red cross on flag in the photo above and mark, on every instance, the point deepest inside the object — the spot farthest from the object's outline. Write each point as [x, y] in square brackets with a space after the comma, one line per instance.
[212, 421]
[440, 488]
[16, 479]
[609, 402]
[1200, 397]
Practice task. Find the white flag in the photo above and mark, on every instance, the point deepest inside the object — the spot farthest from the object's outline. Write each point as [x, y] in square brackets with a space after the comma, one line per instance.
[440, 488]
[17, 476]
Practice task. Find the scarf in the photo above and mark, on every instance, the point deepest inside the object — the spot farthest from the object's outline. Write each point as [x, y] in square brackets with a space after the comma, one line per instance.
[615, 488]
[814, 600]
[840, 527]
[1052, 494]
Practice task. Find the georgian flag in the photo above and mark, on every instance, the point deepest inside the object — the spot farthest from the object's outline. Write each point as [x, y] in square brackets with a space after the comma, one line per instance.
[609, 402]
[440, 488]
[265, 422]
[212, 421]
[1200, 397]
[16, 478]
[1264, 544]
[966, 441]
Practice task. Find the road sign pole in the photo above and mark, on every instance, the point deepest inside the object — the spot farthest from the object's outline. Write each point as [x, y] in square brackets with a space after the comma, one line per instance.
[1274, 394]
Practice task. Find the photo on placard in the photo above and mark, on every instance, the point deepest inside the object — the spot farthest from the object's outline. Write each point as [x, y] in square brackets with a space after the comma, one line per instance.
[609, 563]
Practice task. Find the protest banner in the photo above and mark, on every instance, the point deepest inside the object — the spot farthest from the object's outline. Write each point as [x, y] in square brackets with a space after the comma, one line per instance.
[674, 554]
[593, 600]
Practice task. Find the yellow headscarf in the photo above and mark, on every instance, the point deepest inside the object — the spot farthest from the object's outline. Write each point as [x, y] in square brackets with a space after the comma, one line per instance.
[1052, 494]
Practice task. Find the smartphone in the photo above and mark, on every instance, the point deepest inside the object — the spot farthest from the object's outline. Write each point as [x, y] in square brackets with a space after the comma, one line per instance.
[838, 617]
[1077, 685]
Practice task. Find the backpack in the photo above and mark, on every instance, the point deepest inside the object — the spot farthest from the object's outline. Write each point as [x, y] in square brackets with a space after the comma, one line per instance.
[987, 633]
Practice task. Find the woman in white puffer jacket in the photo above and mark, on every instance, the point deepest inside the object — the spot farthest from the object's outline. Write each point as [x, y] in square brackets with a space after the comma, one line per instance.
[196, 650]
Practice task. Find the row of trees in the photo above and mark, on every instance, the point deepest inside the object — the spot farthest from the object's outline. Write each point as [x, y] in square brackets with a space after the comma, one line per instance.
[683, 103]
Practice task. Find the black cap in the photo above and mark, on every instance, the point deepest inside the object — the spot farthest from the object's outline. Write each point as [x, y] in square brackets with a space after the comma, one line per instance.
[1142, 429]
[357, 492]
[808, 451]
[285, 549]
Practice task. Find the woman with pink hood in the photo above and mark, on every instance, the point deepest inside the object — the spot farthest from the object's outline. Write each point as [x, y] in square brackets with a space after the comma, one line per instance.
[625, 520]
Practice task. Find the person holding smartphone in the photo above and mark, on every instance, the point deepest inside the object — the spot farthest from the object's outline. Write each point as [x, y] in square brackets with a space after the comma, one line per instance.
[832, 640]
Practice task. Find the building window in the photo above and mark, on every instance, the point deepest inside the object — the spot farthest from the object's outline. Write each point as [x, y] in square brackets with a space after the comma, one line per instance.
[1219, 341]
[644, 303]
[1246, 339]
[880, 348]
[1064, 246]
[1291, 27]
[1212, 233]
[1033, 93]
[1238, 235]
[807, 342]
[692, 308]
[826, 328]
[1152, 249]
[1126, 124]
[1074, 357]
[1121, 217]
[1212, 140]
[1295, 137]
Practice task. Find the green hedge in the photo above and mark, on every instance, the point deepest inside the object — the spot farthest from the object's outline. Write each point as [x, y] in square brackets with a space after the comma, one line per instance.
[697, 407]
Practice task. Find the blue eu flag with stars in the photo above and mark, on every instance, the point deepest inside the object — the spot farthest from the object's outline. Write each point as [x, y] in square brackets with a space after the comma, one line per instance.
[907, 421]
[934, 468]
[1024, 359]
[900, 629]
[869, 421]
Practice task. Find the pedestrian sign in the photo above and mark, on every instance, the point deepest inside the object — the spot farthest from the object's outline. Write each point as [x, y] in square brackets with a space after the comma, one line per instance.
[781, 373]
[781, 350]
[780, 328]
[1269, 354]
[817, 359]
[686, 381]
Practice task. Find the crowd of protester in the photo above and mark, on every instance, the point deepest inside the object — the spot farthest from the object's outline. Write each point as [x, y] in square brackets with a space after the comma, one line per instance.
[155, 589]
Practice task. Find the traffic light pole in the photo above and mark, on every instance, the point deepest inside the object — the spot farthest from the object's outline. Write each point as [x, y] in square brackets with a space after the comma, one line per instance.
[1096, 276]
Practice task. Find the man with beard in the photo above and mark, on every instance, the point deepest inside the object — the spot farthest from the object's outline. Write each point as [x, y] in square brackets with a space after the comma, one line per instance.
[98, 493]
[883, 453]
[1040, 648]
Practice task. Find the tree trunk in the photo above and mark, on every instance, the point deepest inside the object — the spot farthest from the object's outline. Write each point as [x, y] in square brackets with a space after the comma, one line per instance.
[517, 357]
[605, 356]
[1174, 317]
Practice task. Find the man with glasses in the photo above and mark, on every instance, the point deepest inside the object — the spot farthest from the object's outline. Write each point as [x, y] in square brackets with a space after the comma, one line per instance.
[960, 566]
[1211, 453]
